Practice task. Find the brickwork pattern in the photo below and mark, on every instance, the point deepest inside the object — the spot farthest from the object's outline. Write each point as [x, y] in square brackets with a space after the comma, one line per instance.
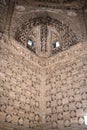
[67, 96]
[27, 83]
[3, 9]
[19, 91]
[68, 37]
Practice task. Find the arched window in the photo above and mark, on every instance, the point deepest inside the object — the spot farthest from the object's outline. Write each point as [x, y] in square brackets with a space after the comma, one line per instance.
[30, 43]
[56, 44]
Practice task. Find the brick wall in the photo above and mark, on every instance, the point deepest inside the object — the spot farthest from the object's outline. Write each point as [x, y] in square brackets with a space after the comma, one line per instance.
[66, 95]
[42, 93]
[19, 88]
